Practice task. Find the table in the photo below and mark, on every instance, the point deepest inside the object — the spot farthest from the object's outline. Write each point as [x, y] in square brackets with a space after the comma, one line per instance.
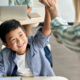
[35, 78]
[45, 78]
[40, 11]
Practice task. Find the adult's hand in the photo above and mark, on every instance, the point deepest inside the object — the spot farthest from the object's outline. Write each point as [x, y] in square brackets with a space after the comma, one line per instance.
[49, 3]
[52, 6]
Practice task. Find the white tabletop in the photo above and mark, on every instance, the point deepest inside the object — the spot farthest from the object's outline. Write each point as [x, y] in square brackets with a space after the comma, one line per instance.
[45, 78]
[34, 78]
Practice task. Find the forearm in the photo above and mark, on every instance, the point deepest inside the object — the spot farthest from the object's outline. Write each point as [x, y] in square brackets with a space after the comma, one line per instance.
[60, 28]
[46, 29]
[29, 9]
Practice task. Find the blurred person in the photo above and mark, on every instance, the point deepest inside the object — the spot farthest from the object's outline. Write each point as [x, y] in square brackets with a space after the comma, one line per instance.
[29, 4]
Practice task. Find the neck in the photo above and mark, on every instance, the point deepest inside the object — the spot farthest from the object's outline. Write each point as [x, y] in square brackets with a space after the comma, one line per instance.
[23, 52]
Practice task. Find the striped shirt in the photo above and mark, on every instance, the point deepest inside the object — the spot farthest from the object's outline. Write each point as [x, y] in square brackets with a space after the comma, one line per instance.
[66, 34]
[29, 3]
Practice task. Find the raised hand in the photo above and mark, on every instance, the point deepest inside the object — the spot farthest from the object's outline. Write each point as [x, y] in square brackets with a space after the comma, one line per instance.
[49, 3]
[52, 6]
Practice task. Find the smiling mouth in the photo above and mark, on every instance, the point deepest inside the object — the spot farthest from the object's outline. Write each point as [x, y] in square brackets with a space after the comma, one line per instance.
[21, 45]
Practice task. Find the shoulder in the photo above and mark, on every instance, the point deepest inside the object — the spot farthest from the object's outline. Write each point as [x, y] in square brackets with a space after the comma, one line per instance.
[5, 51]
[30, 39]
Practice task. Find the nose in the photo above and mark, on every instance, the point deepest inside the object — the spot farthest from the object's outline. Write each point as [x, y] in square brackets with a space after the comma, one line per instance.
[19, 41]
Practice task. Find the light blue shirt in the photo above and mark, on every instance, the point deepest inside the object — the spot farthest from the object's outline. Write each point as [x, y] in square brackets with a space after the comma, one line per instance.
[36, 60]
[29, 3]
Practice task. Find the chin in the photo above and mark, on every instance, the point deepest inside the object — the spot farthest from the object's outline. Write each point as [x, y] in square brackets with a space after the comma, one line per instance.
[22, 51]
[21, 54]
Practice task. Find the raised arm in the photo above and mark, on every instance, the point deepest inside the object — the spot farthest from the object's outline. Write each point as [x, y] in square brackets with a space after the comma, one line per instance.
[46, 29]
[41, 39]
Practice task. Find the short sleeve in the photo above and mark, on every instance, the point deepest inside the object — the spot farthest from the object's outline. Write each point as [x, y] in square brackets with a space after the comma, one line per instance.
[29, 3]
[11, 2]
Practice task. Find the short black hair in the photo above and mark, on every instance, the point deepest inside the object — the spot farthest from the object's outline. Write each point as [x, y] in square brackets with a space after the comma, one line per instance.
[8, 26]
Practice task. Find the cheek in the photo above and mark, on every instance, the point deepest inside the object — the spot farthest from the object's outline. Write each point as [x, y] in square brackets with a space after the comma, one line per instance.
[12, 45]
[25, 39]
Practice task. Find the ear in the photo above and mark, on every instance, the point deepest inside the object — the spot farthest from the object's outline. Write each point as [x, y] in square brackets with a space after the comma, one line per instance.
[25, 32]
[5, 44]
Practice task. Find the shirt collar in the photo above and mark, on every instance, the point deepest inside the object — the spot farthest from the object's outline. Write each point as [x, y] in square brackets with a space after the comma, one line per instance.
[28, 45]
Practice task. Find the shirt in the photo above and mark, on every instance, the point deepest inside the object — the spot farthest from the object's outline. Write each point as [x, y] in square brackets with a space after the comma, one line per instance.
[36, 60]
[66, 34]
[29, 3]
[23, 69]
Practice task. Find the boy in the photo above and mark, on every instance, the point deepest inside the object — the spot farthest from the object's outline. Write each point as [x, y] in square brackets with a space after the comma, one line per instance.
[24, 57]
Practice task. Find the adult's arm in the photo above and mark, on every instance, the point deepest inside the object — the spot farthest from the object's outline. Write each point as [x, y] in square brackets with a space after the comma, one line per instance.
[69, 36]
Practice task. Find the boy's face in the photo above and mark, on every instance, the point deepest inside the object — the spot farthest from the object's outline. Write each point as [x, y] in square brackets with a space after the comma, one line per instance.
[17, 41]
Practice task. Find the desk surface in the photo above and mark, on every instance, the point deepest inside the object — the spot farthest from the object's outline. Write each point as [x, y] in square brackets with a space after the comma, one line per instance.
[34, 78]
[40, 11]
[45, 78]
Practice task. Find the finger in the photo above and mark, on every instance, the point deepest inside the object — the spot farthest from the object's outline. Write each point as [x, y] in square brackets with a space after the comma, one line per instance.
[48, 3]
[42, 1]
[39, 0]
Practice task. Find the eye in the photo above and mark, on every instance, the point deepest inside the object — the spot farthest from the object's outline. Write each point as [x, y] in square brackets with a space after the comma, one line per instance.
[12, 39]
[21, 34]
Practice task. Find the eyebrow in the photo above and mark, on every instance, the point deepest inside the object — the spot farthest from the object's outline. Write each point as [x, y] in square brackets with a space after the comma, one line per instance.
[12, 37]
[19, 32]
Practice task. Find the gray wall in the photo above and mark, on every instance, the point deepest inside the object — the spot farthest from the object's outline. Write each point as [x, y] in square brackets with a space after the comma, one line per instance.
[4, 2]
[66, 10]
